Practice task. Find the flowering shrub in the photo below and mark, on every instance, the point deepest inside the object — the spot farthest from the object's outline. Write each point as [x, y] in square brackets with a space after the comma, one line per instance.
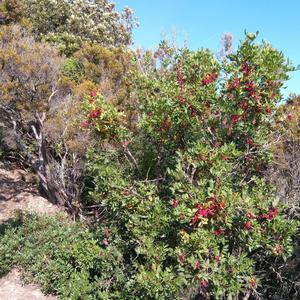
[67, 23]
[102, 117]
[186, 196]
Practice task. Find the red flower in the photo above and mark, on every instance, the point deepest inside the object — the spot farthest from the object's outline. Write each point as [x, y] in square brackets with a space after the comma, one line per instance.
[182, 258]
[265, 216]
[248, 157]
[249, 141]
[236, 83]
[273, 212]
[198, 265]
[244, 105]
[246, 69]
[203, 284]
[249, 86]
[93, 93]
[217, 259]
[209, 78]
[290, 117]
[167, 124]
[248, 225]
[150, 113]
[219, 231]
[195, 219]
[175, 203]
[254, 96]
[268, 110]
[180, 77]
[85, 124]
[251, 215]
[193, 113]
[95, 113]
[236, 118]
[202, 212]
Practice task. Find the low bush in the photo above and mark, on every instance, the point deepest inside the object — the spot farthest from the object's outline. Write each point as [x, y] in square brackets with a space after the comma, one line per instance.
[64, 258]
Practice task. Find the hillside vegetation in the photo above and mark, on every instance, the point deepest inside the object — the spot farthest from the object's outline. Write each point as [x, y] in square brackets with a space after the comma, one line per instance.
[171, 161]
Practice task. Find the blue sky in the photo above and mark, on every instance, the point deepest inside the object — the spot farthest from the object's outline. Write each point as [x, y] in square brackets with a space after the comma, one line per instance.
[202, 23]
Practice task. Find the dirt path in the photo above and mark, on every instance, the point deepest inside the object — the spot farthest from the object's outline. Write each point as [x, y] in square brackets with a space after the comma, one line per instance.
[18, 192]
[11, 288]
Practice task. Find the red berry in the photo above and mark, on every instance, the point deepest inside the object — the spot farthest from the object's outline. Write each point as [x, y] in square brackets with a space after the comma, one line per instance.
[248, 225]
[85, 124]
[236, 118]
[236, 83]
[249, 141]
[209, 78]
[204, 284]
[166, 124]
[195, 219]
[268, 110]
[219, 231]
[244, 105]
[246, 70]
[182, 258]
[198, 265]
[93, 93]
[175, 203]
[251, 215]
[95, 113]
[180, 78]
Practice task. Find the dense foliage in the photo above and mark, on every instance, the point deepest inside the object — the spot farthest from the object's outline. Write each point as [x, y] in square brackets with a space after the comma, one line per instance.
[192, 206]
[68, 23]
[161, 155]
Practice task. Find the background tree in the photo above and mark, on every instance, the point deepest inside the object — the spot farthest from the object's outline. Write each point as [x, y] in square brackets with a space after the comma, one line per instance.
[284, 173]
[31, 95]
[67, 23]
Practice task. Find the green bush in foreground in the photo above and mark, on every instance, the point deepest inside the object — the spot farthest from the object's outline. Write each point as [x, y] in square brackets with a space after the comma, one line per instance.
[62, 257]
[186, 193]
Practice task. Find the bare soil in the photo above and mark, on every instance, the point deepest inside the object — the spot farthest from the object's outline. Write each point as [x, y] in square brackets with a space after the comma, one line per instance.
[11, 288]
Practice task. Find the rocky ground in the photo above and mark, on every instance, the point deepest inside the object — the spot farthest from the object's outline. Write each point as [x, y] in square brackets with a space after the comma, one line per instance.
[18, 192]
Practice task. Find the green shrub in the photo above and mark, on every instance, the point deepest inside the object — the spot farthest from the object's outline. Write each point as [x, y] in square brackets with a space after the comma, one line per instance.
[52, 251]
[73, 69]
[186, 194]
